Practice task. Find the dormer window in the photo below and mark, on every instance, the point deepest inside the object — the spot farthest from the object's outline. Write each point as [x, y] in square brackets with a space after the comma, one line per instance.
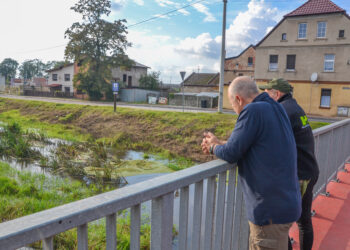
[284, 36]
[302, 30]
[321, 29]
[341, 33]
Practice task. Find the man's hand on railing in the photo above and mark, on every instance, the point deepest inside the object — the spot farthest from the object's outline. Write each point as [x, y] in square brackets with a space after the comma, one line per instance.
[209, 142]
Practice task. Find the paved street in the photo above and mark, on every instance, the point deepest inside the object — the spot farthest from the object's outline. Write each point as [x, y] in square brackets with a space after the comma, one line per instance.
[141, 106]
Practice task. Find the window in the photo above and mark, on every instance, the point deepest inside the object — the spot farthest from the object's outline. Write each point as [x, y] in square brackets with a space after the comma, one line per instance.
[321, 29]
[124, 78]
[129, 81]
[67, 77]
[54, 77]
[326, 98]
[273, 63]
[341, 33]
[302, 30]
[284, 36]
[291, 62]
[250, 61]
[67, 89]
[329, 62]
[240, 74]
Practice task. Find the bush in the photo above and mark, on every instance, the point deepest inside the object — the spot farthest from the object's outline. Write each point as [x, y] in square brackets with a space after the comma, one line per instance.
[8, 186]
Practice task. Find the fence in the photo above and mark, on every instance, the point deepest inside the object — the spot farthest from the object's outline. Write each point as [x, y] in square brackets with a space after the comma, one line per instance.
[332, 148]
[27, 92]
[218, 217]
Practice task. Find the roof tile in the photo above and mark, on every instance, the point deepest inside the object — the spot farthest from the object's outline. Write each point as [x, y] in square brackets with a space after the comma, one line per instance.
[315, 7]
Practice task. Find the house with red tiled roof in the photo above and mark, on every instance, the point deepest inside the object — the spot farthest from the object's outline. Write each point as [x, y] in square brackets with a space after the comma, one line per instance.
[310, 47]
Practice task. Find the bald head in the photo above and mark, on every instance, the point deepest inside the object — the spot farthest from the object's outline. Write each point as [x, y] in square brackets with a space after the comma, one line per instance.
[241, 92]
[243, 86]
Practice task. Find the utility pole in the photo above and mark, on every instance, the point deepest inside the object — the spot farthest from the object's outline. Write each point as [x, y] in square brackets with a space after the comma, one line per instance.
[183, 73]
[223, 54]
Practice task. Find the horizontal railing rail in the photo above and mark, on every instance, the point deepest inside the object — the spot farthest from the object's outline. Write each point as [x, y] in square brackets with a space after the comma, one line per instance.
[216, 219]
[332, 149]
[44, 225]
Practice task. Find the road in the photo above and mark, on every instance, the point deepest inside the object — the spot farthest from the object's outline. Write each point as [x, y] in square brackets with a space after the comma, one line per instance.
[142, 106]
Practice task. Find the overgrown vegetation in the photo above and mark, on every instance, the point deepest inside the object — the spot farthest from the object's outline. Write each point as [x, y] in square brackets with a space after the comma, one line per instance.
[14, 143]
[24, 193]
[172, 135]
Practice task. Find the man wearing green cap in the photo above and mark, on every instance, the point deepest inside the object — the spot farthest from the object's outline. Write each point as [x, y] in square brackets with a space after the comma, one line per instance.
[281, 91]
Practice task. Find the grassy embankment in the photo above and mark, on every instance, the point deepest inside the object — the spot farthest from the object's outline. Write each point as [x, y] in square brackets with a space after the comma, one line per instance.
[172, 135]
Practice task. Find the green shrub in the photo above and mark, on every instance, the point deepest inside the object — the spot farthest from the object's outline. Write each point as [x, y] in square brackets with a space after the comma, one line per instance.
[8, 186]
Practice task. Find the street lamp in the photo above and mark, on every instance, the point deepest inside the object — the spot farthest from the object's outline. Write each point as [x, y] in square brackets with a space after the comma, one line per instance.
[183, 73]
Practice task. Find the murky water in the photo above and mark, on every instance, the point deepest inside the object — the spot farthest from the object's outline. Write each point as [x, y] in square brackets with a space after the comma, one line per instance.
[49, 146]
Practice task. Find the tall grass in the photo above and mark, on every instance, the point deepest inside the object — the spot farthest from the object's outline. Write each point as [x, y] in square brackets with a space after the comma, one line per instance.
[24, 193]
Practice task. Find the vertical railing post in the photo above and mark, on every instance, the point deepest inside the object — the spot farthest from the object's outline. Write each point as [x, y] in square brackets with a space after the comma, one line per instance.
[135, 226]
[220, 209]
[83, 237]
[162, 222]
[197, 215]
[48, 243]
[111, 232]
[209, 213]
[237, 217]
[183, 218]
[229, 208]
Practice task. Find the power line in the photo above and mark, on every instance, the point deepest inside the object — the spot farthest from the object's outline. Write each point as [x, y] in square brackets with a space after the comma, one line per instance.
[147, 20]
[165, 14]
[48, 48]
[132, 25]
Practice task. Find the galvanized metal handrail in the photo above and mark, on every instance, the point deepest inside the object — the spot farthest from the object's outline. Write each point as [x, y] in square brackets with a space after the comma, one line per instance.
[218, 219]
[332, 149]
[44, 225]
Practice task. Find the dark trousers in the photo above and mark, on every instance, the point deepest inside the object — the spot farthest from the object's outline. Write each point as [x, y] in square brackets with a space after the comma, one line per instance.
[306, 232]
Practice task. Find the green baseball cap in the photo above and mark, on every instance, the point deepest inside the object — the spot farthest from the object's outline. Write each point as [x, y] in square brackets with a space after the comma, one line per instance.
[278, 84]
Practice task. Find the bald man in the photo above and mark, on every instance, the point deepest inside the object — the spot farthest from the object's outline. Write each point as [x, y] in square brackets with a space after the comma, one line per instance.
[262, 144]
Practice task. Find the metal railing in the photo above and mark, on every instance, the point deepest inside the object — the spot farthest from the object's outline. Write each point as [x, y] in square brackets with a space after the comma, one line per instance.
[332, 148]
[212, 217]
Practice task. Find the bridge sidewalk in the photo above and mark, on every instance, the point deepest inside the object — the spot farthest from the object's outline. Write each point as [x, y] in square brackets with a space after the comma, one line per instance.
[332, 219]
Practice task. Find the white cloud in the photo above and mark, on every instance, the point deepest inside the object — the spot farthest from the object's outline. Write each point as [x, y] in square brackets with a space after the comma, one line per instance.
[204, 10]
[201, 46]
[165, 3]
[139, 2]
[118, 4]
[250, 26]
[168, 3]
[32, 28]
[184, 12]
[171, 55]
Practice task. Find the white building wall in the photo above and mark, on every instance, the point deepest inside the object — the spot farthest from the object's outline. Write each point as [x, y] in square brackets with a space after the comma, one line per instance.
[60, 77]
[2, 83]
[134, 72]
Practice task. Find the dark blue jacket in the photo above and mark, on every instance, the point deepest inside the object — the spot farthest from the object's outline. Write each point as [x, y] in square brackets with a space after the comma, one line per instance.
[304, 138]
[262, 144]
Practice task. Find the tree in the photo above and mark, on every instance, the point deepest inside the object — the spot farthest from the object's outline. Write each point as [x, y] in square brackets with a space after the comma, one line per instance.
[32, 68]
[97, 45]
[54, 64]
[150, 81]
[8, 68]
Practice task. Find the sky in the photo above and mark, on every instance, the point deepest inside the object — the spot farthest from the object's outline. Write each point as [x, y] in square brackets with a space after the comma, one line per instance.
[186, 40]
